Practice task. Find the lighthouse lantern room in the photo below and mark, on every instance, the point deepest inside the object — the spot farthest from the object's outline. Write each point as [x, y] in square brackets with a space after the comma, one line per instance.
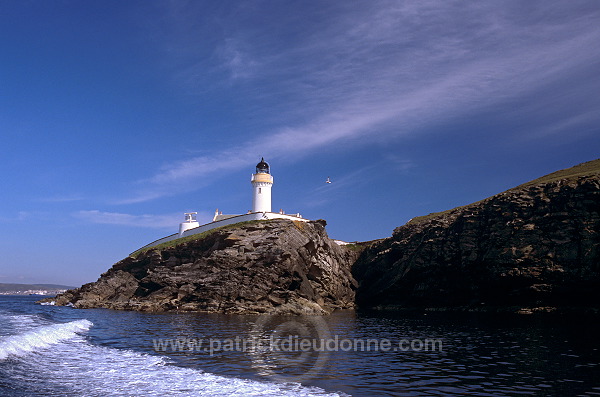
[262, 181]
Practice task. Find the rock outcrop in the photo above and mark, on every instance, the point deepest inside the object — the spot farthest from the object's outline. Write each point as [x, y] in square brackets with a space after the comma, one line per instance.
[276, 266]
[534, 247]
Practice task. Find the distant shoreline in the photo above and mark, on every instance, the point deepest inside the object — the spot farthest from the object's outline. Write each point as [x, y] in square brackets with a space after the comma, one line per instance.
[32, 289]
[28, 293]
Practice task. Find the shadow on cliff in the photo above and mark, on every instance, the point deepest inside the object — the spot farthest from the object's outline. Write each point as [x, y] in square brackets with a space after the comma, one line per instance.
[532, 248]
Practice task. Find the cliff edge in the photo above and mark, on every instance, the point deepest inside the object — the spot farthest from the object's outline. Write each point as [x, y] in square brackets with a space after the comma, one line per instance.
[532, 248]
[277, 266]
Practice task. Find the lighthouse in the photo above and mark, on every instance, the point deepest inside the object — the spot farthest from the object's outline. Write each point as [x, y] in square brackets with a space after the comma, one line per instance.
[262, 181]
[190, 222]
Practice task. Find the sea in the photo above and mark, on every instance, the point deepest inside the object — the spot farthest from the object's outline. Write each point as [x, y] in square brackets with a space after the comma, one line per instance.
[48, 350]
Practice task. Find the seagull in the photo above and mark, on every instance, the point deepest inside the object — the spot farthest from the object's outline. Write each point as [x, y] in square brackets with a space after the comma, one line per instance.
[328, 180]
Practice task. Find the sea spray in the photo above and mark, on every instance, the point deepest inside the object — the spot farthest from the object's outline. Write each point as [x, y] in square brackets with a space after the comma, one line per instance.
[41, 338]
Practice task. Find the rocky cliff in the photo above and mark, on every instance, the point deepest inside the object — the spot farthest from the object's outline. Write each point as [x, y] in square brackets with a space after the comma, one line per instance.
[276, 266]
[534, 247]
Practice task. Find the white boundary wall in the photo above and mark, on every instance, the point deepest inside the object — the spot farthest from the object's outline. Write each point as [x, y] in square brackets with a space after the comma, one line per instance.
[254, 216]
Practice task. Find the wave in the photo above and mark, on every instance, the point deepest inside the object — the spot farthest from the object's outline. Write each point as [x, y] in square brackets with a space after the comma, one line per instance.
[81, 368]
[41, 338]
[109, 372]
[17, 324]
[86, 369]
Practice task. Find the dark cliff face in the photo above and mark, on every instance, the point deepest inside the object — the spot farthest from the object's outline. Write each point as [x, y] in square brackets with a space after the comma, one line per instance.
[532, 246]
[276, 266]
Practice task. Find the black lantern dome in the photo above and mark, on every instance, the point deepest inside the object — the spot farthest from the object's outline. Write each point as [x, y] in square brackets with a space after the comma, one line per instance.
[262, 167]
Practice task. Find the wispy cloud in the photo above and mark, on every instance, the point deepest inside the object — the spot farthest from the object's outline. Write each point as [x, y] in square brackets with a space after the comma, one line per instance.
[239, 63]
[385, 69]
[165, 221]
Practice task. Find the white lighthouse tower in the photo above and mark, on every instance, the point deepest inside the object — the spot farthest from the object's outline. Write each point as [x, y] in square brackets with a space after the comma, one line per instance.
[262, 182]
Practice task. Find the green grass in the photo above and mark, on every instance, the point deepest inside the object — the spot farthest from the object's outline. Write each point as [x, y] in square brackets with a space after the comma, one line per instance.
[423, 218]
[584, 169]
[353, 247]
[360, 245]
[199, 236]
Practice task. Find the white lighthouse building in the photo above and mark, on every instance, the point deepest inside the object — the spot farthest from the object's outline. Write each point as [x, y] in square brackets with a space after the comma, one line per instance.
[262, 182]
[190, 222]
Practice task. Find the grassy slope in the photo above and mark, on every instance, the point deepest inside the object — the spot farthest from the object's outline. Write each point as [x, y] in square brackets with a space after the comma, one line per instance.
[584, 169]
[198, 236]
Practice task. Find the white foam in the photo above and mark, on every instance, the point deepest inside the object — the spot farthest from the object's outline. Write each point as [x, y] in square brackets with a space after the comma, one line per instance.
[11, 324]
[83, 369]
[101, 371]
[79, 368]
[166, 380]
[40, 338]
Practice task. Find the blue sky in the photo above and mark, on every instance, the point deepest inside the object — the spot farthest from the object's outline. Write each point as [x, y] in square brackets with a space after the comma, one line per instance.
[118, 116]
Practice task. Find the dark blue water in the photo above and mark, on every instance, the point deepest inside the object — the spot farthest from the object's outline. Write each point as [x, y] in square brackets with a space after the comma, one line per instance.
[60, 351]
